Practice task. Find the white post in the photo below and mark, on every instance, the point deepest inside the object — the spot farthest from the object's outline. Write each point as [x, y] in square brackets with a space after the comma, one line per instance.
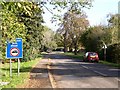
[10, 68]
[104, 53]
[18, 66]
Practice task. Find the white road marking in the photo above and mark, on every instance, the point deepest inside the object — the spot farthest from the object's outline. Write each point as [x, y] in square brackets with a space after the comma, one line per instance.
[94, 71]
[85, 67]
[100, 73]
[53, 83]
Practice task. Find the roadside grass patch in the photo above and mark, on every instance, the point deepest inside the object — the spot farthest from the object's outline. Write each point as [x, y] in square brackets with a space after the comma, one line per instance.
[78, 56]
[16, 80]
[110, 64]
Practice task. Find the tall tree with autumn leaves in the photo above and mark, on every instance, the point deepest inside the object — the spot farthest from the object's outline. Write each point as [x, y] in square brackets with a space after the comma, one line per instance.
[72, 28]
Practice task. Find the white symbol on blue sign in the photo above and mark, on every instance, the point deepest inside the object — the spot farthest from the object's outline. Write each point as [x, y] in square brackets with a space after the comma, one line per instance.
[14, 50]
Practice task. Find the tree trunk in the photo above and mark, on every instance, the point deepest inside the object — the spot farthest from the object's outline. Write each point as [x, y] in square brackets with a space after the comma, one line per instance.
[65, 47]
[65, 42]
[75, 51]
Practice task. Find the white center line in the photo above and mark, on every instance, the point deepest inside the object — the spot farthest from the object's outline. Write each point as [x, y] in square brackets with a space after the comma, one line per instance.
[94, 71]
[100, 73]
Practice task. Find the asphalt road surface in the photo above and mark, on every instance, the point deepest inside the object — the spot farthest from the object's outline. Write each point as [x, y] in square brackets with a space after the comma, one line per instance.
[73, 73]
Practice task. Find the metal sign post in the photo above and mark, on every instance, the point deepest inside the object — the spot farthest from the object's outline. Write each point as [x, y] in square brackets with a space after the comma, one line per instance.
[14, 51]
[18, 66]
[10, 68]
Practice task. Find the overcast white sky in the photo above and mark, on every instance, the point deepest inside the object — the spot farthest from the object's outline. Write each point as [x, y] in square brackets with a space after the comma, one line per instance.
[96, 15]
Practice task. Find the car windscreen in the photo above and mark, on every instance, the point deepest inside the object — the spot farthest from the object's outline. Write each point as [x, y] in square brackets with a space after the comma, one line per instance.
[93, 54]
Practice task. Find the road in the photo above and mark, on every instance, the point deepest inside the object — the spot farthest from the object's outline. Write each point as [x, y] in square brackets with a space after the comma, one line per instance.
[74, 73]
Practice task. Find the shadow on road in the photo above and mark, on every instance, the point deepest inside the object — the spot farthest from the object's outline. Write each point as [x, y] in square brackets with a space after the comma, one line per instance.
[55, 56]
[68, 66]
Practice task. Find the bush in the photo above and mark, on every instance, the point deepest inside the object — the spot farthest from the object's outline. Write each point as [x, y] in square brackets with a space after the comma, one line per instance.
[113, 53]
[101, 54]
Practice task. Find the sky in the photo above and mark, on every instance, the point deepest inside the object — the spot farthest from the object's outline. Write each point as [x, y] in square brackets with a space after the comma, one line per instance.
[96, 14]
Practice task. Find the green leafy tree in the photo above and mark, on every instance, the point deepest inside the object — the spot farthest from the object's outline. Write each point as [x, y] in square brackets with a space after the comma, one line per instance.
[113, 25]
[58, 39]
[73, 26]
[48, 40]
[10, 26]
[94, 38]
[22, 19]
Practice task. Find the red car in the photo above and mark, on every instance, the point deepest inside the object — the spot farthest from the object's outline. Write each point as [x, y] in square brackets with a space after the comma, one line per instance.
[91, 56]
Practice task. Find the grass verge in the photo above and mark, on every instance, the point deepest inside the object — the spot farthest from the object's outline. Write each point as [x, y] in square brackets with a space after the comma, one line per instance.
[78, 56]
[110, 64]
[16, 80]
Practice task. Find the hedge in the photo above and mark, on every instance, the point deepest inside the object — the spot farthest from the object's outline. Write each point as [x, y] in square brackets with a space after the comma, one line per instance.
[112, 53]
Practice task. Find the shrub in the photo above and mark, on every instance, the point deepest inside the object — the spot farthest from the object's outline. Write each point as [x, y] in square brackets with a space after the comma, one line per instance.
[113, 53]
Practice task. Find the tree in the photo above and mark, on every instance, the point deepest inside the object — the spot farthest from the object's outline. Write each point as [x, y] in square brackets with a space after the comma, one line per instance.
[72, 6]
[113, 25]
[94, 38]
[22, 19]
[10, 26]
[59, 39]
[48, 40]
[73, 26]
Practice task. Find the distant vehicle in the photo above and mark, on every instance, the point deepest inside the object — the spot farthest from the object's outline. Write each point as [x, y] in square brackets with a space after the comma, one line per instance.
[91, 57]
[49, 51]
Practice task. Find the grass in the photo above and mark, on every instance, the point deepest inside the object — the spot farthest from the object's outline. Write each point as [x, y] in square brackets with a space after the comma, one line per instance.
[110, 64]
[80, 56]
[16, 80]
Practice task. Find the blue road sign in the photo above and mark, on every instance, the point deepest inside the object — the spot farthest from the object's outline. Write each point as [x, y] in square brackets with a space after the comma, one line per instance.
[14, 50]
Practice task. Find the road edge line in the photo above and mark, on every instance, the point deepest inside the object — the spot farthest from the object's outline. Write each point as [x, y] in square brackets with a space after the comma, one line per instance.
[53, 83]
